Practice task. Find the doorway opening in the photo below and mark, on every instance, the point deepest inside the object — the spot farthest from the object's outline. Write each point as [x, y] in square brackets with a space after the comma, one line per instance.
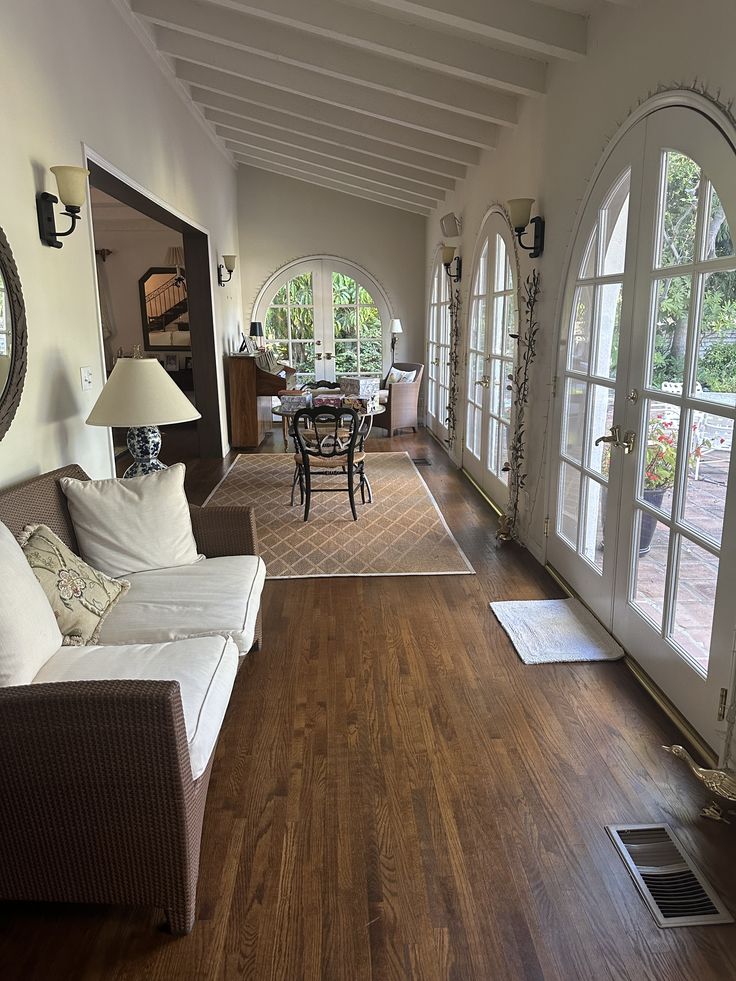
[154, 282]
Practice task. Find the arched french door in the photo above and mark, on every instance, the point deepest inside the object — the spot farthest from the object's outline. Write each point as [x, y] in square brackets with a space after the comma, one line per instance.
[327, 318]
[438, 351]
[643, 511]
[492, 320]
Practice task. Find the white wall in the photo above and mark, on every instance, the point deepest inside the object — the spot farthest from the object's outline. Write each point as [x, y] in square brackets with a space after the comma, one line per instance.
[86, 78]
[553, 153]
[283, 219]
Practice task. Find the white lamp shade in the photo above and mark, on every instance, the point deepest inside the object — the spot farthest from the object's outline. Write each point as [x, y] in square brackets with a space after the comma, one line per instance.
[448, 254]
[396, 326]
[140, 393]
[520, 211]
[229, 262]
[72, 185]
[175, 256]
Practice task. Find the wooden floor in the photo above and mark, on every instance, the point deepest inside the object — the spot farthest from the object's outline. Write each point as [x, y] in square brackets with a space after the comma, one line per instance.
[395, 795]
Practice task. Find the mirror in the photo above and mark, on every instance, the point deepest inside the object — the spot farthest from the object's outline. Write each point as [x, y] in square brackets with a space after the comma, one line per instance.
[13, 341]
[164, 310]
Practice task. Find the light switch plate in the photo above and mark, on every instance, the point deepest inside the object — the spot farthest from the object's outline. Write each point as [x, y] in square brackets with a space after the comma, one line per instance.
[85, 374]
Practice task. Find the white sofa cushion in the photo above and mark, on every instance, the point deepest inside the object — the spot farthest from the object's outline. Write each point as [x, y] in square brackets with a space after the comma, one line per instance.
[396, 376]
[125, 526]
[205, 669]
[29, 633]
[215, 596]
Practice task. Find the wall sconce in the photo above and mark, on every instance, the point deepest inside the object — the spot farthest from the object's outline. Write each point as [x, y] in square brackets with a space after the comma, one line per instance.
[396, 329]
[72, 186]
[228, 263]
[520, 212]
[450, 259]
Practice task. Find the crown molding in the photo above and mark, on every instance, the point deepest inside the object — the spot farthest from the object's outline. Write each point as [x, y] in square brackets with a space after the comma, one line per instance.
[123, 8]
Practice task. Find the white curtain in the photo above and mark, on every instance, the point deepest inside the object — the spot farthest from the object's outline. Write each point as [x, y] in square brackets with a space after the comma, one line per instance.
[109, 330]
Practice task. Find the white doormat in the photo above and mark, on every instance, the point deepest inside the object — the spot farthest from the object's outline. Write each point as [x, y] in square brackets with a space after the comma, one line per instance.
[546, 631]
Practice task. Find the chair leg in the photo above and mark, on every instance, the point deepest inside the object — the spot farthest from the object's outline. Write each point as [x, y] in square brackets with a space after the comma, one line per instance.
[368, 488]
[362, 486]
[307, 492]
[351, 491]
[293, 484]
[285, 432]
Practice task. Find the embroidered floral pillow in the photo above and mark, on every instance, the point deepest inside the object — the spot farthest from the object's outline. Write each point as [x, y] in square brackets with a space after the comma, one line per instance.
[80, 596]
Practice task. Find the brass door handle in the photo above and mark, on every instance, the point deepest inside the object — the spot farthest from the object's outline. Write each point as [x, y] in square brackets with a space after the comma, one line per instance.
[629, 441]
[328, 356]
[614, 438]
[318, 357]
[485, 381]
[436, 361]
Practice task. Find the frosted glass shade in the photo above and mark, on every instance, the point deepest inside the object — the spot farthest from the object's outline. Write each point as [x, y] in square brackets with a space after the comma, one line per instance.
[140, 393]
[520, 211]
[396, 326]
[448, 254]
[228, 262]
[72, 185]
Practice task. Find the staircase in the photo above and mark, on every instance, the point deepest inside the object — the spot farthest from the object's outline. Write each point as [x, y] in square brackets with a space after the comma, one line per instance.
[166, 303]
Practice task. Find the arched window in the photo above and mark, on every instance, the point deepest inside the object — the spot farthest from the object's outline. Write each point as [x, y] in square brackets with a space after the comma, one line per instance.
[492, 320]
[326, 318]
[643, 499]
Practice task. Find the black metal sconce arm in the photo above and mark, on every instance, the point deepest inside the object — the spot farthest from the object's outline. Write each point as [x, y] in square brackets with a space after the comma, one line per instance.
[457, 274]
[47, 220]
[221, 275]
[537, 247]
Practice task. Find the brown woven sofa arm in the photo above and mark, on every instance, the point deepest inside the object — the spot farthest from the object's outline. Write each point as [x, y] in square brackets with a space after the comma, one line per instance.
[224, 531]
[97, 801]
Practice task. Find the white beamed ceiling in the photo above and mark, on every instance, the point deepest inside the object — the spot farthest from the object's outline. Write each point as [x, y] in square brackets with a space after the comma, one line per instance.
[390, 100]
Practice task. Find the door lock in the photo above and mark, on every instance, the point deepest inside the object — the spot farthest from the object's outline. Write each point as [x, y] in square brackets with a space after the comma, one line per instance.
[485, 381]
[629, 441]
[633, 396]
[329, 356]
[614, 438]
[436, 362]
[318, 356]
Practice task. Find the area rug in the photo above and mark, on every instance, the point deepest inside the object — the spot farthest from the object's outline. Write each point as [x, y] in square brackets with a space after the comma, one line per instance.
[403, 533]
[547, 631]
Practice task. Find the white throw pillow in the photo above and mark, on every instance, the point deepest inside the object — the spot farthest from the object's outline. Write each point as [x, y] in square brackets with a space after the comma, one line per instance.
[29, 633]
[130, 525]
[395, 376]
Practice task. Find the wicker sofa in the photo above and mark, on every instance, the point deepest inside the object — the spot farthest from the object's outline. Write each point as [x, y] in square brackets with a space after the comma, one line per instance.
[102, 793]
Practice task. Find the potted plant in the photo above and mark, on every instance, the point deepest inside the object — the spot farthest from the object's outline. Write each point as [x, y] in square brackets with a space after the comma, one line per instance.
[659, 470]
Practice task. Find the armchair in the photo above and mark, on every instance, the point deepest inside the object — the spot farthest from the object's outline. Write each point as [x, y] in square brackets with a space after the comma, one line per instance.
[403, 397]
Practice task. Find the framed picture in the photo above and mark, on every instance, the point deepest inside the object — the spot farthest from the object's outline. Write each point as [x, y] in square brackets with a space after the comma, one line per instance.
[171, 362]
[187, 364]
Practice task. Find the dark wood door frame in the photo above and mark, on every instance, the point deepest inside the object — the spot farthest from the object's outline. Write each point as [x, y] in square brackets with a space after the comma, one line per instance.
[199, 289]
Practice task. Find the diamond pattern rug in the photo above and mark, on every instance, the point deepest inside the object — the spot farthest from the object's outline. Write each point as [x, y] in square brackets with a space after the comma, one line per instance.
[402, 533]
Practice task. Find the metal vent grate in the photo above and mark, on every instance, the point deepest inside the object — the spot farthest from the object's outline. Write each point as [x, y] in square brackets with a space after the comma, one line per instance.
[421, 461]
[673, 888]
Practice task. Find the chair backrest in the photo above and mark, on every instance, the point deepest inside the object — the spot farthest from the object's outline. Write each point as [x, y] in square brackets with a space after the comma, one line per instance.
[310, 386]
[418, 370]
[327, 435]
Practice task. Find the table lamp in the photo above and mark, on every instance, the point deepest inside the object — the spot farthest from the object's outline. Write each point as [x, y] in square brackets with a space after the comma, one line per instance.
[256, 330]
[141, 396]
[395, 331]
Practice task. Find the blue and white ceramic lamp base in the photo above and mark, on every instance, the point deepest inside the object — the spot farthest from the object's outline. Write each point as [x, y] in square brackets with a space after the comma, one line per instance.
[144, 444]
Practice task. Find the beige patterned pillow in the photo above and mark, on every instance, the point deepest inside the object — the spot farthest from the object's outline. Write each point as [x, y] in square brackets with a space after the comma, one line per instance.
[80, 596]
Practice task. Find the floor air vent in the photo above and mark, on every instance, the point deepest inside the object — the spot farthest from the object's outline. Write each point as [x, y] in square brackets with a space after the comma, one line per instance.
[421, 461]
[675, 891]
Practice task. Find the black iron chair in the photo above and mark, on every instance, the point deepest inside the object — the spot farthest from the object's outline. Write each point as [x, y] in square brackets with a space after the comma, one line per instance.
[327, 447]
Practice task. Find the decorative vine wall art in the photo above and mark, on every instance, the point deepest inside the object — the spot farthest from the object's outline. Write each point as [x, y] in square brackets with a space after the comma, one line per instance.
[454, 365]
[518, 385]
